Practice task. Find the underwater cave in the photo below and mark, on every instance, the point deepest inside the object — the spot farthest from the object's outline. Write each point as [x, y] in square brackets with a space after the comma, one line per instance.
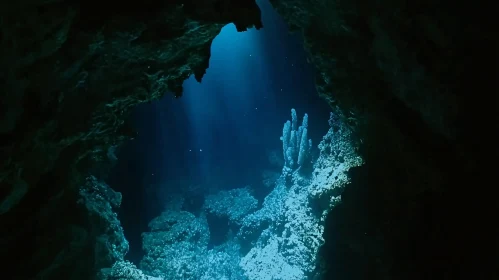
[247, 140]
[221, 136]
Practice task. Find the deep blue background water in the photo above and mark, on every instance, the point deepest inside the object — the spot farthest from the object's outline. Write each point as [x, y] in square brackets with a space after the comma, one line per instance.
[222, 127]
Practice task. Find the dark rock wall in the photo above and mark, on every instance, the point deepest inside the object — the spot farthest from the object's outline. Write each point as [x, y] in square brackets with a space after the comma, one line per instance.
[416, 80]
[405, 75]
[70, 71]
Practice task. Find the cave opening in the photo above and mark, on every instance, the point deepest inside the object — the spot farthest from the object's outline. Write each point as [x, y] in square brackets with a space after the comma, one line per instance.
[222, 134]
[222, 183]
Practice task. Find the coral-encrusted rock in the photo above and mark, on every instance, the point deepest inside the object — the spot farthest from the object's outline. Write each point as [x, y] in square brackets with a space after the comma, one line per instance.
[101, 204]
[85, 237]
[70, 71]
[370, 52]
[403, 74]
[412, 79]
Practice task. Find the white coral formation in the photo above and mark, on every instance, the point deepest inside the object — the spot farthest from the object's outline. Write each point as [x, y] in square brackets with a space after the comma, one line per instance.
[171, 233]
[124, 270]
[234, 204]
[177, 248]
[292, 234]
[268, 263]
[338, 155]
[281, 240]
[291, 240]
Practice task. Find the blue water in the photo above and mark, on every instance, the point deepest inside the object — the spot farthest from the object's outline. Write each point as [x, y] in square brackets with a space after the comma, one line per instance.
[221, 131]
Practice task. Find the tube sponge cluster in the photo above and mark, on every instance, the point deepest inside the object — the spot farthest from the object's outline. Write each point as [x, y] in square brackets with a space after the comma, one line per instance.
[295, 143]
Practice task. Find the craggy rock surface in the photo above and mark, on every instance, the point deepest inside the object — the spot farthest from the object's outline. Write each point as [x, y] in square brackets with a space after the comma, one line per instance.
[407, 76]
[404, 74]
[70, 71]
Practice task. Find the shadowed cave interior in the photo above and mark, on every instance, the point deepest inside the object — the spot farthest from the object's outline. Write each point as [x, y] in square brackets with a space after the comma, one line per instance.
[280, 139]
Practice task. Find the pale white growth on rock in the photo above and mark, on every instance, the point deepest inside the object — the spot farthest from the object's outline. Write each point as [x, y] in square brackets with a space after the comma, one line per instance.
[235, 204]
[279, 241]
[290, 228]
